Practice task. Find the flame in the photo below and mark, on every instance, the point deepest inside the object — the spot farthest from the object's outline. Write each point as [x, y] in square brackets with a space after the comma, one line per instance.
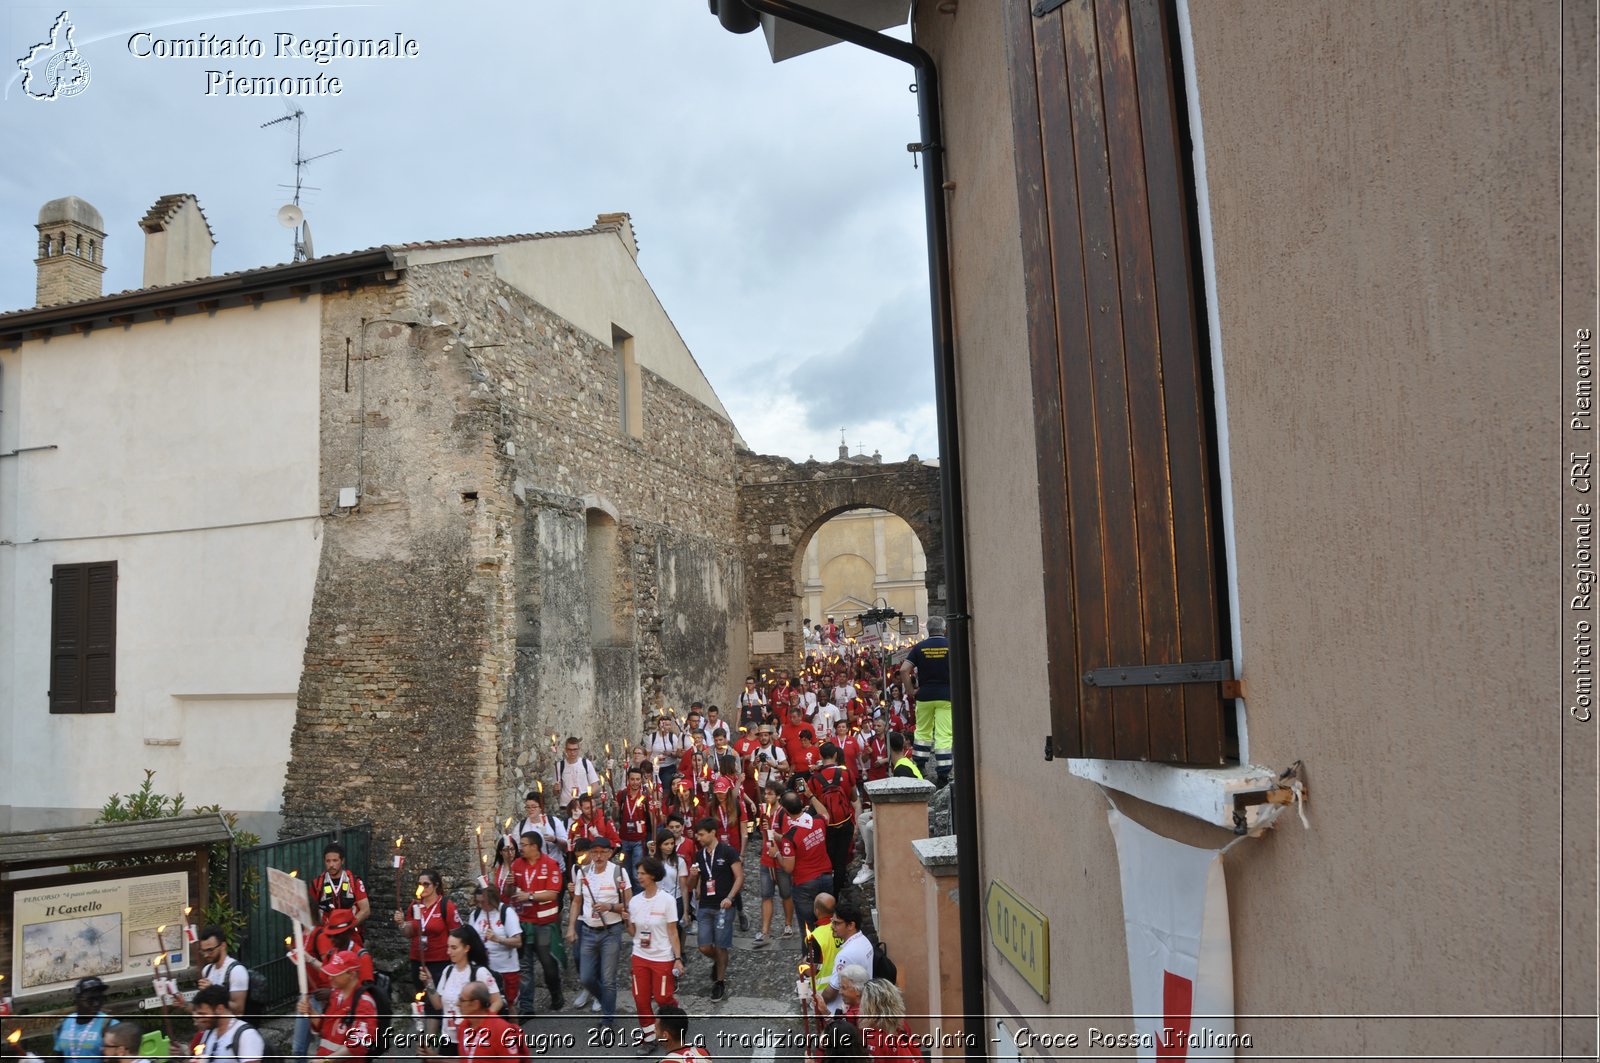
[187, 909]
[483, 858]
[288, 941]
[200, 1049]
[539, 786]
[161, 931]
[608, 749]
[295, 873]
[16, 1035]
[479, 829]
[508, 823]
[421, 995]
[419, 891]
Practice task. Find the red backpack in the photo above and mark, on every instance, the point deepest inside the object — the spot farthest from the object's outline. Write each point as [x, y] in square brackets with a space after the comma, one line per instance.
[835, 798]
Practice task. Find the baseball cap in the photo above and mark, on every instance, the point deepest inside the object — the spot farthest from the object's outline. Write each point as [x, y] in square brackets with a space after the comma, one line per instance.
[600, 841]
[339, 920]
[341, 963]
[90, 984]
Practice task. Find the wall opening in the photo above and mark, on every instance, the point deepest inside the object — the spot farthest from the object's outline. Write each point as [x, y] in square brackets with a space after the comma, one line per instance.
[601, 583]
[857, 558]
[630, 384]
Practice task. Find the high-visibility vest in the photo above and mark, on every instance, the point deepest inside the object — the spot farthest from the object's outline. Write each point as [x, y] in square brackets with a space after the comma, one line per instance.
[908, 762]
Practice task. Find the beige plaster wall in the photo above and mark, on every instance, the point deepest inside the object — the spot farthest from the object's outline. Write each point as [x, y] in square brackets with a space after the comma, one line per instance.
[865, 554]
[1382, 187]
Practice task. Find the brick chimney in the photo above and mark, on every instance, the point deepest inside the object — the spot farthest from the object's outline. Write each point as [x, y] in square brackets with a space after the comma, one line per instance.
[177, 241]
[623, 223]
[71, 262]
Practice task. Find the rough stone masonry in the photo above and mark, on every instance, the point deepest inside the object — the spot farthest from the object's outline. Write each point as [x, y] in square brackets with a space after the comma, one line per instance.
[517, 565]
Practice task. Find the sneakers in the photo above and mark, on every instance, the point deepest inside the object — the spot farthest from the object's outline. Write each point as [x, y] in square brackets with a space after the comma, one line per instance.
[582, 998]
[863, 876]
[719, 991]
[788, 930]
[595, 1007]
[760, 941]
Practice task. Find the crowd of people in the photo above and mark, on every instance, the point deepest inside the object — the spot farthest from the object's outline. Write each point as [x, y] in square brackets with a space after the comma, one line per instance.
[650, 852]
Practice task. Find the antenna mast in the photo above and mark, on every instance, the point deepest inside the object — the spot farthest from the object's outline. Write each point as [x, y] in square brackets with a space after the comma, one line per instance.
[302, 230]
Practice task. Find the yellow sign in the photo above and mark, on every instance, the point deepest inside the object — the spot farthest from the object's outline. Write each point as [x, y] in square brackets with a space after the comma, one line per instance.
[1021, 933]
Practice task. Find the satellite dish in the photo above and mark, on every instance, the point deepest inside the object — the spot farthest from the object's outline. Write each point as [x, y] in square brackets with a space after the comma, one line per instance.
[305, 240]
[290, 215]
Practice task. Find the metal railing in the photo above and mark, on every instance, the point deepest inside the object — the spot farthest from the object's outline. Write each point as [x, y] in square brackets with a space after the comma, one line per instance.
[262, 946]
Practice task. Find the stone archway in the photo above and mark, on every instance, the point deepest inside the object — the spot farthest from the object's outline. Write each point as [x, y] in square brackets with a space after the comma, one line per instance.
[782, 504]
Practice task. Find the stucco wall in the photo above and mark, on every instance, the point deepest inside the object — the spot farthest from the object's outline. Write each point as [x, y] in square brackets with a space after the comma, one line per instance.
[186, 453]
[1385, 248]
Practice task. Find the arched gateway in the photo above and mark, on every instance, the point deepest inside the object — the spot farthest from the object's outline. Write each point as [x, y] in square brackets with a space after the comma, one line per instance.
[782, 504]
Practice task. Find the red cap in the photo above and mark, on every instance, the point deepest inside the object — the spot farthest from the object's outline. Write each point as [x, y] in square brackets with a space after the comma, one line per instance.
[339, 920]
[341, 963]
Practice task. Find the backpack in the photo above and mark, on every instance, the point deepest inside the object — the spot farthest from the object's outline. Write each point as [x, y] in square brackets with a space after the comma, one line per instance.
[380, 979]
[255, 991]
[835, 799]
[239, 1027]
[385, 1008]
[882, 965]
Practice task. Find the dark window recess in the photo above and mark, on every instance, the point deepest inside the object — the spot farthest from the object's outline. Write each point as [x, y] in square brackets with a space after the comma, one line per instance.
[1121, 382]
[83, 637]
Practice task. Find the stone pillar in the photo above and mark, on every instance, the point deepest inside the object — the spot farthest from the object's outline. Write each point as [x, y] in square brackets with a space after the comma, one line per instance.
[941, 966]
[900, 817]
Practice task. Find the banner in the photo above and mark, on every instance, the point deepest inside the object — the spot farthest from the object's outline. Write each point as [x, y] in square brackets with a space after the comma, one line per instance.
[108, 929]
[1180, 952]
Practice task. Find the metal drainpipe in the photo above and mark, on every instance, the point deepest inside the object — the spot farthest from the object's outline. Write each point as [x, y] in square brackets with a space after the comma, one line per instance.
[944, 385]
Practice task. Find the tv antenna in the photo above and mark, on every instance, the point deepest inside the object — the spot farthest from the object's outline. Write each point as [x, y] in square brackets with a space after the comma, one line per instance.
[290, 216]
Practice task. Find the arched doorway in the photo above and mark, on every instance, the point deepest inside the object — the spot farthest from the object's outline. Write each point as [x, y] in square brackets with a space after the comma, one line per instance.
[857, 560]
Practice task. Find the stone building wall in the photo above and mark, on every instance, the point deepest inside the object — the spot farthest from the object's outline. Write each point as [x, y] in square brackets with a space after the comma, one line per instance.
[452, 632]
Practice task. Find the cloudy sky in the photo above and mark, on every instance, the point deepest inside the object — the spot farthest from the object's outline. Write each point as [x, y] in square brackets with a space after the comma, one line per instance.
[778, 214]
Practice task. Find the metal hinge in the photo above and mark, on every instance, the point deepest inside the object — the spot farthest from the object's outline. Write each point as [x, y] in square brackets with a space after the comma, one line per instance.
[1049, 747]
[1044, 7]
[1156, 675]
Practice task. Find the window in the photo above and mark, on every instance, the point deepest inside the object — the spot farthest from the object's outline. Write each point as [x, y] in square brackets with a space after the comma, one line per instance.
[1121, 383]
[630, 386]
[83, 637]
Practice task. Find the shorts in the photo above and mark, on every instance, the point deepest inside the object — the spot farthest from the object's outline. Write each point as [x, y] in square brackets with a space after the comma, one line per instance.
[933, 725]
[775, 880]
[705, 927]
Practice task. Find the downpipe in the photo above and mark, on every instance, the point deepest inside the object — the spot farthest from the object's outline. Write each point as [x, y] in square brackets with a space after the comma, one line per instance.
[964, 800]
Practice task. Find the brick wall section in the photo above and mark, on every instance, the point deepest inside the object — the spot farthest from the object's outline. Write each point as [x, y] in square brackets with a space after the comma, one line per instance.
[450, 631]
[781, 505]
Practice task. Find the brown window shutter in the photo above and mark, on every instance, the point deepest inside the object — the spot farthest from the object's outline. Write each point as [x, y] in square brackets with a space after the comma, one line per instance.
[1120, 378]
[67, 610]
[100, 639]
[83, 637]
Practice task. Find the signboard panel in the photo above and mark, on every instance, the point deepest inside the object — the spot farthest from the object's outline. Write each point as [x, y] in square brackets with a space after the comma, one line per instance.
[287, 894]
[108, 929]
[1020, 933]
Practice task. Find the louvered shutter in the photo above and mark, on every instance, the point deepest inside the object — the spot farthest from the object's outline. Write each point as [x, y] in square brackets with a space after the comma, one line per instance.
[1120, 378]
[83, 637]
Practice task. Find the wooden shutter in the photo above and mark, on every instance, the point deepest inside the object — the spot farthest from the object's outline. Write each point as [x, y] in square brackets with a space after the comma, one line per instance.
[83, 637]
[1120, 378]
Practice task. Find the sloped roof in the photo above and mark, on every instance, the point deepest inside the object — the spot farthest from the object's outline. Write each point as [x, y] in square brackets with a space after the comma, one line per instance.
[162, 210]
[42, 848]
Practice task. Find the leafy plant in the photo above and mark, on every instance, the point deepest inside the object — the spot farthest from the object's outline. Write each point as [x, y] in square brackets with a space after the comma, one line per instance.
[146, 803]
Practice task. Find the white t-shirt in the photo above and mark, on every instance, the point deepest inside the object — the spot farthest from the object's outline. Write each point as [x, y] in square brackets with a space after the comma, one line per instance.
[827, 715]
[449, 987]
[220, 1045]
[858, 949]
[677, 870]
[842, 695]
[766, 757]
[650, 916]
[502, 958]
[237, 976]
[602, 888]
